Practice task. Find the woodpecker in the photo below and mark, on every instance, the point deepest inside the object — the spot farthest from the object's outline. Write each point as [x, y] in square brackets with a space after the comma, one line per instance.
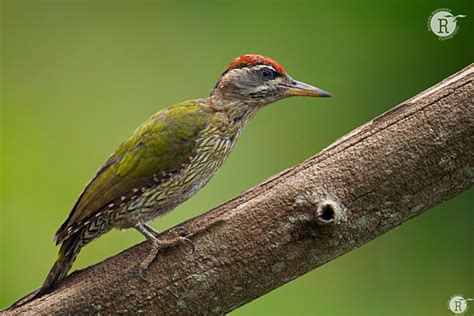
[169, 158]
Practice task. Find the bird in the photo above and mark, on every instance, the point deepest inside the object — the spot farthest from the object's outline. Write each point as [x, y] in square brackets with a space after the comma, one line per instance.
[455, 17]
[169, 158]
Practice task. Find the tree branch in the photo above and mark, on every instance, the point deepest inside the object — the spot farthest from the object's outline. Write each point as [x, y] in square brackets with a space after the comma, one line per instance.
[391, 169]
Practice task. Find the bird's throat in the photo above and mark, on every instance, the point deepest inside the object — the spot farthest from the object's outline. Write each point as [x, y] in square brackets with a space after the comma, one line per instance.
[237, 112]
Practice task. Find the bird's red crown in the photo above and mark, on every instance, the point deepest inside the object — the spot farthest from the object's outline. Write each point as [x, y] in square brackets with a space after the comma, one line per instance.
[252, 60]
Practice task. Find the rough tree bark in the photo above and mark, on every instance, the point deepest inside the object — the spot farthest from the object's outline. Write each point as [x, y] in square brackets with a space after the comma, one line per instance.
[391, 169]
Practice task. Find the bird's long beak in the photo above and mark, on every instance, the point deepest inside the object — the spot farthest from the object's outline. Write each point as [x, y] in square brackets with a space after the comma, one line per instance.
[302, 89]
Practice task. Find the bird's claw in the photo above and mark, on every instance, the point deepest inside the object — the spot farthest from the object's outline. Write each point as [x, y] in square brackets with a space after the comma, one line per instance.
[182, 235]
[142, 273]
[188, 241]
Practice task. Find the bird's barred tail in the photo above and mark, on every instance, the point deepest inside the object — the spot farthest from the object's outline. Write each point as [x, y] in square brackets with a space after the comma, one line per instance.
[67, 255]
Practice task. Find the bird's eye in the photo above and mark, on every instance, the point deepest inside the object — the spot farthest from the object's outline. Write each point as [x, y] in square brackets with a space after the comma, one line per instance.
[267, 74]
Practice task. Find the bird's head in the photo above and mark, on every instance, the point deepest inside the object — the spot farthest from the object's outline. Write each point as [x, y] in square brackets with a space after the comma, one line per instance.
[258, 80]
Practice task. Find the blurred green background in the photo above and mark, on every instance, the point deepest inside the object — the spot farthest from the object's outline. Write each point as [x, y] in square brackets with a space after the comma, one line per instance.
[79, 76]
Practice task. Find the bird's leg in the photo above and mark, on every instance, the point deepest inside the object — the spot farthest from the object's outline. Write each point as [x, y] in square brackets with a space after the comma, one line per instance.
[149, 230]
[155, 243]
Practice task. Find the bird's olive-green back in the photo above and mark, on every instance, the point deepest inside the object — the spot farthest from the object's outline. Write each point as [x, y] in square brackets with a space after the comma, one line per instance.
[161, 144]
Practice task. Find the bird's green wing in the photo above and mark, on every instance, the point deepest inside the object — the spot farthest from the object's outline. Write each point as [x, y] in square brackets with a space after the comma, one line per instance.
[160, 145]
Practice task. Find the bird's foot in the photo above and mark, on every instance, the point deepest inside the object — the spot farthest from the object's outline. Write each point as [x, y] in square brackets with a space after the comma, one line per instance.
[179, 237]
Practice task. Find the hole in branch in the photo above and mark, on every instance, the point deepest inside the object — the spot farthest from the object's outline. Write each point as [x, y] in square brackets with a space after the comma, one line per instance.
[326, 212]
